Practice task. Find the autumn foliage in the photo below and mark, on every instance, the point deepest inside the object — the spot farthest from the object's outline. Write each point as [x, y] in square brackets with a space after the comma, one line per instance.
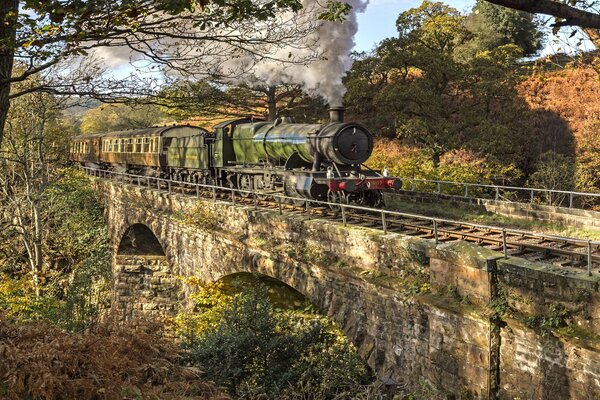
[41, 361]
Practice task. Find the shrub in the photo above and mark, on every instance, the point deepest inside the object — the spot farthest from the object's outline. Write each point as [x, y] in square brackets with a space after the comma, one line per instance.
[42, 361]
[252, 349]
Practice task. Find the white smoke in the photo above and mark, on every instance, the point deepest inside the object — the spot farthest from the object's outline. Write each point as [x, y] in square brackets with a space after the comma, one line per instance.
[292, 49]
[331, 41]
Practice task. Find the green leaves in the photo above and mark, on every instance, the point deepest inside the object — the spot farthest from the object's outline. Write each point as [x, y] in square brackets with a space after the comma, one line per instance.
[246, 345]
[336, 11]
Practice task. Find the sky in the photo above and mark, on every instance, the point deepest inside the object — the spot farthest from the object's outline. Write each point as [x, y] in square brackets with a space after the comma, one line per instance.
[379, 20]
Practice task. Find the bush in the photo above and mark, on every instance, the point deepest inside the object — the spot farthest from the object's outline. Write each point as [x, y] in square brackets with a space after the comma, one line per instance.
[456, 166]
[42, 361]
[252, 349]
[554, 171]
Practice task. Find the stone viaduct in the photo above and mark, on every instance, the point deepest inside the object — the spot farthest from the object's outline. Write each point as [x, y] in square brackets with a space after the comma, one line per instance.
[461, 318]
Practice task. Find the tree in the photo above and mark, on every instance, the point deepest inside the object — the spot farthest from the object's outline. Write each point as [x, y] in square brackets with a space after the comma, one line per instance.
[215, 99]
[117, 117]
[578, 13]
[495, 26]
[423, 86]
[174, 34]
[568, 13]
[52, 233]
[32, 142]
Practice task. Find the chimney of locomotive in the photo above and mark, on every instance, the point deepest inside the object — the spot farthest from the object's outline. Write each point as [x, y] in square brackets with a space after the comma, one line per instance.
[336, 114]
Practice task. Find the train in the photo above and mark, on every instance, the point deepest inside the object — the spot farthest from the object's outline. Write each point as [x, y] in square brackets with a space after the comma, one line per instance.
[302, 161]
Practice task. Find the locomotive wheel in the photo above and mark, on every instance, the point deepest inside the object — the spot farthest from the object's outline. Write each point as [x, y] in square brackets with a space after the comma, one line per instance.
[374, 198]
[289, 189]
[245, 183]
[336, 198]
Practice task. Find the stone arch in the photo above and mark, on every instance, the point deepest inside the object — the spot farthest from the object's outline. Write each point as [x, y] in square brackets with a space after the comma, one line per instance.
[321, 289]
[280, 293]
[138, 239]
[343, 304]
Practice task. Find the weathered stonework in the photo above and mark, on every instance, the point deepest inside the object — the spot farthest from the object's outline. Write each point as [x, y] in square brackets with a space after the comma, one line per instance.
[415, 311]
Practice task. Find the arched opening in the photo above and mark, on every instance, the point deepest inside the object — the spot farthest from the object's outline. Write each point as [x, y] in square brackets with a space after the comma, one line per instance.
[279, 293]
[140, 240]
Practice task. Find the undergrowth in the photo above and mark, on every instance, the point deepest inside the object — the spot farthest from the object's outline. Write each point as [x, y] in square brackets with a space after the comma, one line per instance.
[42, 361]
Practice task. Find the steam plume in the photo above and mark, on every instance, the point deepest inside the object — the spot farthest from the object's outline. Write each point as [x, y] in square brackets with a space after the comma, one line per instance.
[332, 41]
[294, 48]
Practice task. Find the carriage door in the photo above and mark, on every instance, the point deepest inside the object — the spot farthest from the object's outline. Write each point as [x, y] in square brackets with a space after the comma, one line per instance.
[96, 149]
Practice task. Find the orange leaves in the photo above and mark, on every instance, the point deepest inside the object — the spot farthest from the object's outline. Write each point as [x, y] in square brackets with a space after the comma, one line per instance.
[42, 361]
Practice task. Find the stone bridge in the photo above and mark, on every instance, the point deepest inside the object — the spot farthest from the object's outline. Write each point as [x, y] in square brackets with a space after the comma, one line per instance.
[455, 316]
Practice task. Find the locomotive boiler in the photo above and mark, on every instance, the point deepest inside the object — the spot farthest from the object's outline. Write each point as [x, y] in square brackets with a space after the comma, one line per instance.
[302, 161]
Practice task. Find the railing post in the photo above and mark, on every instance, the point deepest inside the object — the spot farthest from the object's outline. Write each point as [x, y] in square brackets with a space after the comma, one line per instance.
[413, 186]
[497, 193]
[255, 200]
[383, 222]
[139, 181]
[344, 221]
[233, 197]
[531, 196]
[435, 231]
[158, 184]
[589, 257]
[214, 194]
[307, 207]
[504, 247]
[570, 200]
[466, 191]
[439, 188]
[197, 191]
[169, 186]
[279, 205]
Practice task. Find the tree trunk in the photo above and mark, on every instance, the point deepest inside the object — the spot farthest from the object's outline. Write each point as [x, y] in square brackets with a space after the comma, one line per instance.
[436, 158]
[37, 248]
[9, 10]
[272, 103]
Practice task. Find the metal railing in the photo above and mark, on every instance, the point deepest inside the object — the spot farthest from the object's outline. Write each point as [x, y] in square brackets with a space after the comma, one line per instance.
[385, 215]
[551, 197]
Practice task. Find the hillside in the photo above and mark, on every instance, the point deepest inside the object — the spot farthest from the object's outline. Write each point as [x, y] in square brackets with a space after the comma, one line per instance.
[571, 92]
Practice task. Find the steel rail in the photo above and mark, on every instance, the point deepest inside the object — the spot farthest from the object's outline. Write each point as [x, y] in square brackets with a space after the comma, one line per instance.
[436, 228]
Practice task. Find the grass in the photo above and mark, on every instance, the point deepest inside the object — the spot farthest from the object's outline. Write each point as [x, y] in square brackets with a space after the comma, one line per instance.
[468, 213]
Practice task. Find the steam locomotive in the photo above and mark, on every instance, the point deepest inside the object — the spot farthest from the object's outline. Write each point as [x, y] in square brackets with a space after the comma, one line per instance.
[303, 161]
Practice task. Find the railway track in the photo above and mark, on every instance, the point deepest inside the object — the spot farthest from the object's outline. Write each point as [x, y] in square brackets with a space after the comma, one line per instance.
[556, 250]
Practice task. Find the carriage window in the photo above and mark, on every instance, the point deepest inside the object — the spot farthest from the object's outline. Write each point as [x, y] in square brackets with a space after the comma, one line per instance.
[138, 145]
[146, 145]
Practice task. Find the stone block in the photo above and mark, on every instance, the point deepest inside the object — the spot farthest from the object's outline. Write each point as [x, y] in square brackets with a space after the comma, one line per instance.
[463, 267]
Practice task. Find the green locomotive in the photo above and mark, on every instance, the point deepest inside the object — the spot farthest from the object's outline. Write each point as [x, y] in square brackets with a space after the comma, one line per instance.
[304, 161]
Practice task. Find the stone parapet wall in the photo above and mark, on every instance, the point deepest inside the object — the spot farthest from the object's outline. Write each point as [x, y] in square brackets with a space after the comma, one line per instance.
[455, 316]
